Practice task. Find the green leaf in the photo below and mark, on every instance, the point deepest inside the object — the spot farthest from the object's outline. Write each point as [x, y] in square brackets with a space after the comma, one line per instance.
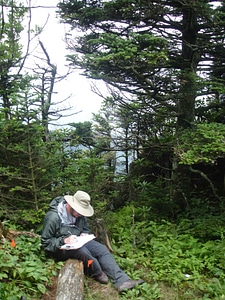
[41, 288]
[3, 275]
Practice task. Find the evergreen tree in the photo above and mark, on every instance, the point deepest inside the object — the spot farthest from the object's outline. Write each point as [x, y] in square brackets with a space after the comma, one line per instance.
[159, 52]
[10, 55]
[24, 177]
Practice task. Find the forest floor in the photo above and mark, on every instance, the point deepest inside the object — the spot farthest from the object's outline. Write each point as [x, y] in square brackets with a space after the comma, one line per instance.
[92, 290]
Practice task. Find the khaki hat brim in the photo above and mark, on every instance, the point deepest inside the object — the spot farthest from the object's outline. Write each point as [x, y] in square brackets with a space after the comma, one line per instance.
[84, 211]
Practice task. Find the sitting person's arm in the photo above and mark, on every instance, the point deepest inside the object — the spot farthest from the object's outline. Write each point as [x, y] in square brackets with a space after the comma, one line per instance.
[49, 239]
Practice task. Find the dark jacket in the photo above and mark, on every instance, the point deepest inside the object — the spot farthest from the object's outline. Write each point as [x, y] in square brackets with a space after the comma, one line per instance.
[54, 232]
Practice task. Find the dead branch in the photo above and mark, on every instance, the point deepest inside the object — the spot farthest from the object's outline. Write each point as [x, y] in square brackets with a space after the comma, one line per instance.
[203, 175]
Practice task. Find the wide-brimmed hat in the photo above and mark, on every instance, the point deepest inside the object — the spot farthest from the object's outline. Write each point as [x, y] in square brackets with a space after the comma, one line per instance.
[80, 202]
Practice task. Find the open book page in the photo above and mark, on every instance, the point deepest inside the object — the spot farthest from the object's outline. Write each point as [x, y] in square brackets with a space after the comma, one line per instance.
[80, 241]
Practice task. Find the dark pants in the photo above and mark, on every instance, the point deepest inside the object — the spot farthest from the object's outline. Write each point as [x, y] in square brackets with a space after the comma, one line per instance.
[102, 261]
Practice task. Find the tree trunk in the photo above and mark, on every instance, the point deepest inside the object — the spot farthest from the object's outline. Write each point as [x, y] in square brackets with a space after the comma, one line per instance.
[71, 281]
[186, 104]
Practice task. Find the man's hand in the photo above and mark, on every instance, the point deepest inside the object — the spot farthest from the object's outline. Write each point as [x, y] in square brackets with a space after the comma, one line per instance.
[70, 239]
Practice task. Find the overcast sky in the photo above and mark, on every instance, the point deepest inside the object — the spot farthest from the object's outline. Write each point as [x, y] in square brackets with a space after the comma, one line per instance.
[82, 99]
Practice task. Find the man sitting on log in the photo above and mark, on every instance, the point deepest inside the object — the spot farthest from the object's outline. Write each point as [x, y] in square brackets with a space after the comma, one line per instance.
[64, 222]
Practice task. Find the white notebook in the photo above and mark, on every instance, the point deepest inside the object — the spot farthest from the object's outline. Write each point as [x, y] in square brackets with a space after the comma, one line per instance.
[80, 241]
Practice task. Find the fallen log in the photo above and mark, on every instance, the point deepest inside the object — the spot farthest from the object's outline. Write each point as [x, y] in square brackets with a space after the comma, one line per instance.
[70, 284]
[9, 234]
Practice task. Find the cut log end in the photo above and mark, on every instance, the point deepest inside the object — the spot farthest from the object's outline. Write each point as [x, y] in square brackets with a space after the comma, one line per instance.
[71, 281]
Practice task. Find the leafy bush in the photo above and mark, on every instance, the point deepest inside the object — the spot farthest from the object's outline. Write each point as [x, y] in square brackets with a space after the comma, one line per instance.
[23, 219]
[205, 144]
[169, 256]
[24, 270]
[176, 260]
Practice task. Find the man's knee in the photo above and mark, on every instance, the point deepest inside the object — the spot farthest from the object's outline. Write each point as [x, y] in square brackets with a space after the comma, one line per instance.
[102, 250]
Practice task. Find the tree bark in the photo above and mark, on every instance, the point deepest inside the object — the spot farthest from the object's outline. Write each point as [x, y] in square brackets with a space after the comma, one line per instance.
[181, 175]
[100, 231]
[71, 281]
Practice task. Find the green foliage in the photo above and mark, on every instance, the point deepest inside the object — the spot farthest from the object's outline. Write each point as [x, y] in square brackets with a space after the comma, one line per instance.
[176, 260]
[123, 46]
[82, 134]
[151, 52]
[23, 163]
[24, 270]
[145, 292]
[139, 51]
[88, 172]
[10, 33]
[202, 224]
[11, 55]
[73, 162]
[23, 219]
[170, 257]
[120, 229]
[205, 144]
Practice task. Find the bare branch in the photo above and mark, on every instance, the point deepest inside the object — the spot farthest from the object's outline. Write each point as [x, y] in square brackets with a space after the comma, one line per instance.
[203, 175]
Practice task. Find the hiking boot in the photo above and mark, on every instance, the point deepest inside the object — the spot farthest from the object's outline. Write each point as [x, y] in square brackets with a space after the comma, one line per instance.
[129, 284]
[102, 278]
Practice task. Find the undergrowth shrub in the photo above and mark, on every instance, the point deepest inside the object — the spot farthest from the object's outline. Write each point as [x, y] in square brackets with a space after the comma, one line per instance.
[24, 270]
[169, 253]
[182, 260]
[23, 219]
[203, 226]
